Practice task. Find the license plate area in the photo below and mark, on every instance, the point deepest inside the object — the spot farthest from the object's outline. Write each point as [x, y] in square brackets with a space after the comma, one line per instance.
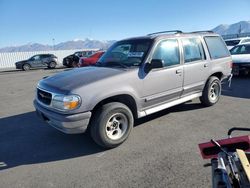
[236, 70]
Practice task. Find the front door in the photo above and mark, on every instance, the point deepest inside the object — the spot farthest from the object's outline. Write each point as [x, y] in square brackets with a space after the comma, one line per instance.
[36, 61]
[164, 84]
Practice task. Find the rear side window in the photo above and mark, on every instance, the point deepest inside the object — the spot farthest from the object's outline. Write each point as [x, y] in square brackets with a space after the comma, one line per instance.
[216, 47]
[193, 50]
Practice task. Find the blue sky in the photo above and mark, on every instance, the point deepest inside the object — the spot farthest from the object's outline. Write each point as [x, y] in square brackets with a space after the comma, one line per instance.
[25, 21]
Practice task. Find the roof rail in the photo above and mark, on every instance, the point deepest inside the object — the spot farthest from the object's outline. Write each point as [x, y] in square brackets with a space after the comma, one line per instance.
[162, 32]
[205, 31]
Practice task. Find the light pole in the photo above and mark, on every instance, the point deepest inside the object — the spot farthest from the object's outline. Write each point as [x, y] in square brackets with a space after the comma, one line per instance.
[53, 42]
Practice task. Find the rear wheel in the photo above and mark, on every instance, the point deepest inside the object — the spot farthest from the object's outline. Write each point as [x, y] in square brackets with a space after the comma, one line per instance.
[111, 124]
[26, 67]
[212, 91]
[52, 65]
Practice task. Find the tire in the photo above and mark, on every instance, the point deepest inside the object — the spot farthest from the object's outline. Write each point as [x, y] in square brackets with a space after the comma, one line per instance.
[74, 64]
[212, 91]
[52, 65]
[111, 124]
[26, 67]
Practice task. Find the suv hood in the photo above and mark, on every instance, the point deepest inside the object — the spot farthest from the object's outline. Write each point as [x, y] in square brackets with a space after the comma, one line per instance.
[20, 62]
[69, 80]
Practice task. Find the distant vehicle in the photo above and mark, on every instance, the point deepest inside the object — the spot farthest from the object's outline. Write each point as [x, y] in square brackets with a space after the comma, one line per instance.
[38, 61]
[241, 59]
[233, 42]
[91, 60]
[73, 59]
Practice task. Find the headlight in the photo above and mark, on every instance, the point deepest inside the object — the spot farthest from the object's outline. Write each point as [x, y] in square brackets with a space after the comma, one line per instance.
[66, 102]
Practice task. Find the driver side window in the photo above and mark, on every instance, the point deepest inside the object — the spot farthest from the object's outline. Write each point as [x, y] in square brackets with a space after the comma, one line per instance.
[37, 57]
[168, 51]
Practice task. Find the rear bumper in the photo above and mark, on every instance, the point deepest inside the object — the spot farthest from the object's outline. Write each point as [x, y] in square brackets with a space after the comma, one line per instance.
[237, 67]
[70, 124]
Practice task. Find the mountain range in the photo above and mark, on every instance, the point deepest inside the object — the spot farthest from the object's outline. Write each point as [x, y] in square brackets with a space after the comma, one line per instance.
[69, 45]
[236, 28]
[223, 29]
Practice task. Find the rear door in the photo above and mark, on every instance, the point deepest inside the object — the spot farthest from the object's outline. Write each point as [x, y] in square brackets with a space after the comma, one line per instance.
[45, 60]
[164, 84]
[196, 66]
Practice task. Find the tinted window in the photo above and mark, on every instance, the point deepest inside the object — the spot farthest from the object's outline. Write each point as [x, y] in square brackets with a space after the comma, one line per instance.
[36, 57]
[232, 42]
[193, 50]
[46, 56]
[216, 47]
[168, 51]
[242, 49]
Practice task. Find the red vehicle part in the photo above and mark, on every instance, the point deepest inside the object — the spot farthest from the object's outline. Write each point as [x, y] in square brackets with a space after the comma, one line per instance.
[91, 60]
[209, 150]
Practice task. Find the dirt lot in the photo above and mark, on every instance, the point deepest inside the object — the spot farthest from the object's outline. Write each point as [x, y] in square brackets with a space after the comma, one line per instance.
[161, 151]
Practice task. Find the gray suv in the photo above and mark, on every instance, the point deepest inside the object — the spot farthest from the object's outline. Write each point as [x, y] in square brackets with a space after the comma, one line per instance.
[134, 78]
[38, 61]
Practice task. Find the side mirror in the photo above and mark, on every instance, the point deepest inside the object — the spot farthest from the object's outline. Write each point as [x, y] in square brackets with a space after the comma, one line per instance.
[154, 64]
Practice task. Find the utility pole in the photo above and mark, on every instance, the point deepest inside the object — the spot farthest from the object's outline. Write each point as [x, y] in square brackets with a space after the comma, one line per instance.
[53, 42]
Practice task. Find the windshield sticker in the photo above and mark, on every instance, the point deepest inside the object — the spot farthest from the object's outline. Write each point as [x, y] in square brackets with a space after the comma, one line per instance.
[135, 54]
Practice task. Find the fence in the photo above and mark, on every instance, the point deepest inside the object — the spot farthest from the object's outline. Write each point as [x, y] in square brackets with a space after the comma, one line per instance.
[8, 59]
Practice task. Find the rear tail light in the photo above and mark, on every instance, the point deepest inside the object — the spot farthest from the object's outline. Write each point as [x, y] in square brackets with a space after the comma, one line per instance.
[230, 64]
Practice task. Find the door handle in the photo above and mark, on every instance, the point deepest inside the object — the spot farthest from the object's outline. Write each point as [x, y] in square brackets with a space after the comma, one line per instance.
[205, 65]
[178, 71]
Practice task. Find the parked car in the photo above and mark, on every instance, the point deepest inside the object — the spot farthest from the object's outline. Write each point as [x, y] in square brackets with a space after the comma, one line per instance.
[136, 77]
[73, 59]
[241, 59]
[38, 61]
[233, 42]
[91, 60]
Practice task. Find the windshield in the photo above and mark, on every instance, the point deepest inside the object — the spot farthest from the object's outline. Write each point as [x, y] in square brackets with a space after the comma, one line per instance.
[126, 53]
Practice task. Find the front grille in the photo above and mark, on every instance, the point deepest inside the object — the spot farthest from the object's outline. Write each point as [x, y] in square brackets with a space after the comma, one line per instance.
[44, 97]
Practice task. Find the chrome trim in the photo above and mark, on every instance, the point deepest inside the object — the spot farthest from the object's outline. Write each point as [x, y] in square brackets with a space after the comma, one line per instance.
[52, 98]
[161, 95]
[170, 104]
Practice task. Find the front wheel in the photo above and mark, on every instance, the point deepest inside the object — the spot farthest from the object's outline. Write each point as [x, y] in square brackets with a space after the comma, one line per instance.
[212, 91]
[111, 124]
[26, 67]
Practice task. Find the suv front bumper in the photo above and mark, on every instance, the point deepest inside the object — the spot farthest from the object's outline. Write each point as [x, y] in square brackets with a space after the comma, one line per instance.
[70, 124]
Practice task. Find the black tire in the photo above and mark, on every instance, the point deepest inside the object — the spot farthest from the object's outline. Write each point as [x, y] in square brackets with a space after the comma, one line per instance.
[104, 129]
[211, 92]
[52, 65]
[26, 67]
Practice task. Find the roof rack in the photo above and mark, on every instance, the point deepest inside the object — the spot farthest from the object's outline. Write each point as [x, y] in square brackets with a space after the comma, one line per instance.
[162, 32]
[205, 31]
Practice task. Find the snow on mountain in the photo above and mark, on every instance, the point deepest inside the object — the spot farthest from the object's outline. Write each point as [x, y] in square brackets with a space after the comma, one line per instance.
[236, 28]
[69, 45]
